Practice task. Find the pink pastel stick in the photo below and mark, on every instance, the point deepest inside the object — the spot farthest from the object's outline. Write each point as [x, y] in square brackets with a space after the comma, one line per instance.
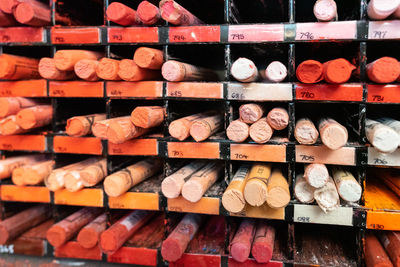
[263, 245]
[175, 14]
[241, 244]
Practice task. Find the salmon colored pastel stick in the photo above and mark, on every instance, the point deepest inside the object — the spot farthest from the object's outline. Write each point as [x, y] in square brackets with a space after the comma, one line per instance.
[244, 70]
[18, 68]
[325, 10]
[383, 70]
[333, 134]
[120, 182]
[129, 71]
[261, 131]
[33, 13]
[86, 69]
[382, 137]
[89, 236]
[7, 6]
[175, 14]
[396, 14]
[11, 105]
[338, 70]
[305, 132]
[148, 13]
[175, 71]
[316, 174]
[347, 186]
[238, 131]
[375, 254]
[123, 130]
[240, 245]
[171, 186]
[8, 165]
[66, 59]
[35, 117]
[263, 244]
[122, 14]
[250, 113]
[94, 171]
[233, 197]
[310, 71]
[82, 125]
[32, 174]
[9, 126]
[14, 226]
[7, 20]
[176, 243]
[148, 116]
[107, 69]
[391, 243]
[327, 196]
[278, 118]
[278, 190]
[256, 189]
[194, 189]
[275, 72]
[66, 229]
[303, 191]
[180, 128]
[149, 58]
[115, 236]
[99, 128]
[48, 70]
[381, 9]
[203, 128]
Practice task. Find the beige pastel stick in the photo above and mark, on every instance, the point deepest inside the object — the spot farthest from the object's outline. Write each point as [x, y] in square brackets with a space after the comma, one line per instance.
[203, 128]
[238, 131]
[93, 171]
[8, 165]
[32, 174]
[278, 190]
[9, 126]
[35, 117]
[180, 128]
[278, 118]
[303, 191]
[250, 113]
[244, 70]
[122, 130]
[347, 186]
[316, 174]
[11, 105]
[86, 69]
[382, 137]
[148, 116]
[194, 189]
[260, 131]
[82, 125]
[256, 190]
[392, 123]
[171, 186]
[120, 182]
[99, 128]
[327, 196]
[66, 59]
[333, 134]
[233, 197]
[175, 71]
[305, 132]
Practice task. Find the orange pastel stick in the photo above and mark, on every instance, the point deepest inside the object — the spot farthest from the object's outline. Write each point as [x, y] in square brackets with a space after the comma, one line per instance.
[11, 105]
[86, 69]
[99, 128]
[35, 117]
[310, 71]
[148, 13]
[338, 70]
[32, 174]
[123, 130]
[383, 70]
[8, 165]
[129, 71]
[92, 171]
[6, 20]
[149, 58]
[82, 125]
[33, 13]
[108, 69]
[18, 68]
[122, 14]
[375, 255]
[89, 236]
[203, 128]
[66, 59]
[9, 126]
[147, 116]
[48, 70]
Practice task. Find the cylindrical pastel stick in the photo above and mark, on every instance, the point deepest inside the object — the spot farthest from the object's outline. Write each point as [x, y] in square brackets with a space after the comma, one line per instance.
[18, 68]
[11, 105]
[82, 125]
[261, 131]
[148, 13]
[375, 254]
[89, 236]
[327, 196]
[12, 227]
[203, 128]
[175, 71]
[347, 186]
[122, 130]
[238, 131]
[256, 189]
[99, 128]
[7, 6]
[392, 123]
[240, 246]
[250, 113]
[305, 132]
[107, 69]
[171, 186]
[310, 71]
[33, 13]
[93, 171]
[303, 191]
[35, 117]
[244, 70]
[120, 182]
[278, 190]
[180, 128]
[396, 14]
[175, 14]
[379, 10]
[129, 71]
[148, 116]
[7, 20]
[338, 70]
[9, 126]
[8, 165]
[275, 72]
[115, 236]
[48, 70]
[383, 70]
[233, 197]
[32, 174]
[325, 10]
[382, 137]
[391, 243]
[66, 59]
[64, 230]
[148, 58]
[278, 118]
[194, 189]
[122, 14]
[263, 244]
[86, 69]
[176, 243]
[333, 134]
[316, 174]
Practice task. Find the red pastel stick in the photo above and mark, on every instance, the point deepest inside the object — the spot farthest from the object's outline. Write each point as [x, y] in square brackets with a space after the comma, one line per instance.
[148, 13]
[391, 243]
[241, 244]
[6, 20]
[375, 255]
[33, 14]
[310, 71]
[175, 14]
[383, 70]
[263, 245]
[89, 236]
[122, 14]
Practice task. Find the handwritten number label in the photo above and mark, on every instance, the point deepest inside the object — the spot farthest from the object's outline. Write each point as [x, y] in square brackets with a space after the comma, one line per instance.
[379, 34]
[378, 226]
[5, 38]
[307, 95]
[59, 39]
[237, 36]
[7, 249]
[178, 38]
[176, 93]
[237, 96]
[378, 98]
[178, 209]
[177, 153]
[116, 93]
[380, 162]
[7, 146]
[241, 156]
[117, 150]
[307, 158]
[303, 219]
[6, 92]
[58, 92]
[306, 36]
[117, 37]
[62, 149]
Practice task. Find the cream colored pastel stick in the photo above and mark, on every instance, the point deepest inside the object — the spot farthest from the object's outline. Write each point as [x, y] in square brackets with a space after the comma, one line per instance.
[316, 174]
[305, 132]
[327, 196]
[256, 189]
[382, 137]
[347, 186]
[303, 191]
